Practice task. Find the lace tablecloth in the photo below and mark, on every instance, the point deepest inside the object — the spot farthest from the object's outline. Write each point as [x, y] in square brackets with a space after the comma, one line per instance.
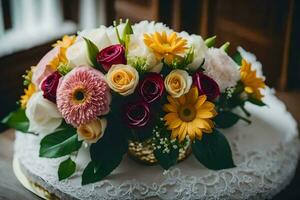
[265, 152]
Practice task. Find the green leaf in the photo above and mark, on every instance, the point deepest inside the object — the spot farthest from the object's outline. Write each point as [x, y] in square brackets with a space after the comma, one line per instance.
[256, 102]
[127, 30]
[108, 152]
[58, 144]
[213, 151]
[226, 119]
[66, 169]
[225, 46]
[166, 160]
[17, 120]
[238, 58]
[96, 171]
[92, 51]
[210, 42]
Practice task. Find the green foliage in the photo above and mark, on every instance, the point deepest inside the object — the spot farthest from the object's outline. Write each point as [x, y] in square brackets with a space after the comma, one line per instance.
[213, 151]
[182, 62]
[166, 151]
[225, 46]
[226, 119]
[66, 169]
[238, 58]
[210, 42]
[108, 152]
[60, 143]
[63, 69]
[125, 39]
[92, 51]
[256, 102]
[138, 63]
[17, 120]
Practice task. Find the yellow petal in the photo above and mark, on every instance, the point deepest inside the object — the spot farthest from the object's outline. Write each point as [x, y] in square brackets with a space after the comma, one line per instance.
[175, 123]
[170, 117]
[205, 114]
[182, 99]
[169, 108]
[182, 132]
[192, 95]
[200, 101]
[172, 101]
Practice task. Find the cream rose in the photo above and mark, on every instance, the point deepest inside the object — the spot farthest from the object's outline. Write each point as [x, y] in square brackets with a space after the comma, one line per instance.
[92, 131]
[122, 79]
[42, 114]
[178, 82]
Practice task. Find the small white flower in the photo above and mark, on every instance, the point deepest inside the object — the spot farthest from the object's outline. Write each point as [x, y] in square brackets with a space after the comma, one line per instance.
[42, 114]
[220, 67]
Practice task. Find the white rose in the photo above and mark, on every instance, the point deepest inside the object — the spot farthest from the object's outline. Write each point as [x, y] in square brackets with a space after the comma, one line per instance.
[93, 131]
[220, 67]
[178, 82]
[122, 79]
[42, 114]
[200, 48]
[98, 36]
[77, 54]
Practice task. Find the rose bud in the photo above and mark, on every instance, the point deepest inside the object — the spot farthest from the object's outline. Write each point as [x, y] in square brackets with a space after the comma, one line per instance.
[206, 85]
[151, 87]
[49, 86]
[114, 54]
[137, 114]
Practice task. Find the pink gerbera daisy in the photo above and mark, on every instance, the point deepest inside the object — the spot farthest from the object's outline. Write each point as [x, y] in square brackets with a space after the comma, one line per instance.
[82, 95]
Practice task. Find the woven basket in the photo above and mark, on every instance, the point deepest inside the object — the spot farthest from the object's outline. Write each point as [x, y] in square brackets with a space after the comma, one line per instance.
[143, 152]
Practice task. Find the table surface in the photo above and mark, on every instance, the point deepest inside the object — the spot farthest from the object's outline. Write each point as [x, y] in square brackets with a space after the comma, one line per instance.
[10, 188]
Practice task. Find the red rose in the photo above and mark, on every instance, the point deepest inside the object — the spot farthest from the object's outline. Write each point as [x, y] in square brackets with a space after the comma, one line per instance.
[206, 85]
[137, 114]
[114, 54]
[49, 86]
[151, 87]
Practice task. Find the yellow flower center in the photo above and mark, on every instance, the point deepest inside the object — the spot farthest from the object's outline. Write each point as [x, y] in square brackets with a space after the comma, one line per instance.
[187, 113]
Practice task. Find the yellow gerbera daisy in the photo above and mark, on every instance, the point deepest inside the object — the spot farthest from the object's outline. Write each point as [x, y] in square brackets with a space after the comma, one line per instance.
[252, 83]
[190, 114]
[165, 46]
[27, 94]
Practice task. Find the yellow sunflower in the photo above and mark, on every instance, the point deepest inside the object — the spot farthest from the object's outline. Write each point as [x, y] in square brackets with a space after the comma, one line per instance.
[165, 46]
[27, 94]
[252, 83]
[189, 115]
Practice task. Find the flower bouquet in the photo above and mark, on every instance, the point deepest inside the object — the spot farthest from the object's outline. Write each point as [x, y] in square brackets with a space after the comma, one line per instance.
[140, 89]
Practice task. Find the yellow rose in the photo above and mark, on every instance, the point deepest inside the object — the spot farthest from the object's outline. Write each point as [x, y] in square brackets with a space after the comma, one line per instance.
[178, 82]
[122, 79]
[92, 131]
